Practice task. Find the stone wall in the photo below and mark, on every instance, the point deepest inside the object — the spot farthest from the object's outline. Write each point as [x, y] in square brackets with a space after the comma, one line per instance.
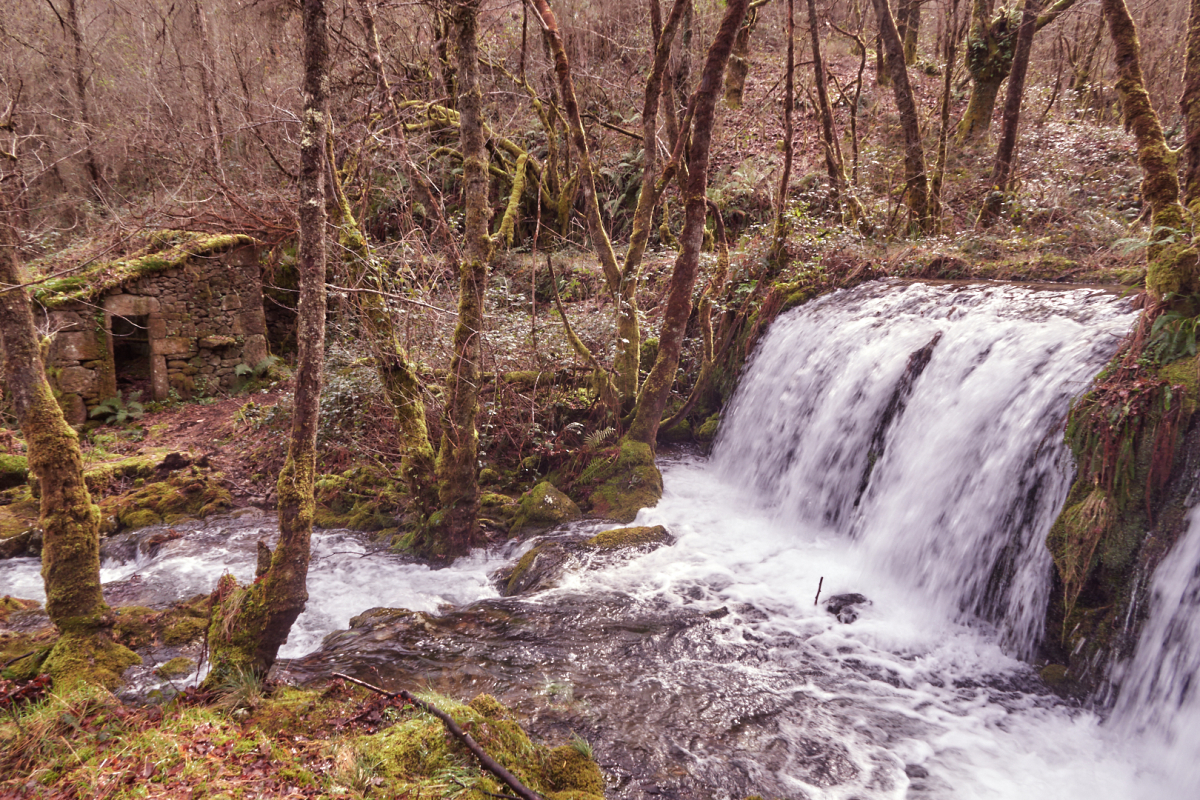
[203, 317]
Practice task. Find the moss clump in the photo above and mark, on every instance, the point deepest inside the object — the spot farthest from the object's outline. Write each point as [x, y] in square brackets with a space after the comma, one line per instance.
[24, 651]
[18, 525]
[543, 506]
[176, 668]
[1173, 271]
[14, 471]
[94, 659]
[623, 538]
[100, 478]
[361, 499]
[707, 431]
[190, 493]
[569, 769]
[627, 485]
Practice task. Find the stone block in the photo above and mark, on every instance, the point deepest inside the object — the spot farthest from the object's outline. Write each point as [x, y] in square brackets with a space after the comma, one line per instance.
[73, 408]
[77, 380]
[249, 322]
[158, 328]
[212, 342]
[172, 346]
[130, 305]
[69, 321]
[254, 351]
[76, 347]
[231, 302]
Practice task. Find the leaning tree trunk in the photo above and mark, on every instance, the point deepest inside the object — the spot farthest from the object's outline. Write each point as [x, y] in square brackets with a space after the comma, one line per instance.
[1171, 267]
[1190, 105]
[251, 623]
[1002, 168]
[70, 522]
[455, 528]
[915, 180]
[653, 397]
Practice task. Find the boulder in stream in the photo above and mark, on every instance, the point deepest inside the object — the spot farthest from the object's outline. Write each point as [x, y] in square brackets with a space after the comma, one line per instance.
[544, 506]
[845, 606]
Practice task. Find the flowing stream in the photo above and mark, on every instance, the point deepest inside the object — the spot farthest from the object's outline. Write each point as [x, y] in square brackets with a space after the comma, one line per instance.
[901, 442]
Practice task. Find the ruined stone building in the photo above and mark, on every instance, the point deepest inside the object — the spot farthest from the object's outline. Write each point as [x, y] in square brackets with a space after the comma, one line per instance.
[179, 315]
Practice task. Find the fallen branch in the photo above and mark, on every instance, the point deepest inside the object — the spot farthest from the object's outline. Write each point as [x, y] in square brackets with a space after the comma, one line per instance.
[489, 763]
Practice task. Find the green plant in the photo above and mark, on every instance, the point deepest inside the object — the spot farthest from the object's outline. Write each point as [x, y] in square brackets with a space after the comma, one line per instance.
[268, 370]
[117, 410]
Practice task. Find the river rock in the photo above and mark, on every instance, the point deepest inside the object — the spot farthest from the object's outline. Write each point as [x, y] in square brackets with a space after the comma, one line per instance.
[538, 569]
[845, 606]
[648, 537]
[544, 506]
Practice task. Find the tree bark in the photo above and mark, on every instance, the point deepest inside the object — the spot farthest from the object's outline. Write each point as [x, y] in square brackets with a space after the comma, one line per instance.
[1002, 168]
[1172, 267]
[69, 520]
[455, 528]
[778, 255]
[79, 81]
[915, 180]
[653, 397]
[208, 87]
[251, 623]
[739, 58]
[1190, 105]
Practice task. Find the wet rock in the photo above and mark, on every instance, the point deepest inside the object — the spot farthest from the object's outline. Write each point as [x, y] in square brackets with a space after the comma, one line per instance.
[544, 506]
[845, 606]
[650, 538]
[538, 569]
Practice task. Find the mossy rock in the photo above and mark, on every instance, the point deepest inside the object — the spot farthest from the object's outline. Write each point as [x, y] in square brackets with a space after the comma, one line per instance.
[682, 432]
[14, 471]
[569, 769]
[18, 527]
[629, 484]
[361, 499]
[538, 569]
[624, 538]
[9, 604]
[187, 494]
[24, 651]
[707, 431]
[179, 667]
[543, 506]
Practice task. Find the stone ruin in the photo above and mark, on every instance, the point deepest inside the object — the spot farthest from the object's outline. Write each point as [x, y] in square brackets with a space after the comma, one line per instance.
[180, 315]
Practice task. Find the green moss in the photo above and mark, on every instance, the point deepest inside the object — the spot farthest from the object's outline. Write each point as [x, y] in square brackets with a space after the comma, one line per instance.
[14, 470]
[543, 506]
[632, 482]
[568, 769]
[622, 538]
[362, 499]
[94, 659]
[1173, 270]
[707, 431]
[190, 493]
[164, 250]
[176, 668]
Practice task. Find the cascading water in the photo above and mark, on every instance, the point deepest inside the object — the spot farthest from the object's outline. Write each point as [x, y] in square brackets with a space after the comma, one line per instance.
[899, 441]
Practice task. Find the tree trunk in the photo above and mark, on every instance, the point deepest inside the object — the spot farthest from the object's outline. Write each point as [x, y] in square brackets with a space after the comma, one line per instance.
[915, 180]
[69, 520]
[208, 86]
[1002, 168]
[1172, 267]
[912, 30]
[953, 32]
[79, 79]
[1190, 105]
[778, 255]
[739, 62]
[251, 623]
[653, 397]
[455, 529]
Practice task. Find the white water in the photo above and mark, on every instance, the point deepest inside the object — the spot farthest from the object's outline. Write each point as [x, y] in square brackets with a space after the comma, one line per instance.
[924, 692]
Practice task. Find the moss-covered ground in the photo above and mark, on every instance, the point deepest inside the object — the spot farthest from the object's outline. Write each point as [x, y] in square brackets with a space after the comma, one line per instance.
[334, 741]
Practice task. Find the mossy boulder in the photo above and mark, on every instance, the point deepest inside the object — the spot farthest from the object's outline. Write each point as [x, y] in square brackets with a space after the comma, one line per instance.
[361, 499]
[629, 483]
[19, 534]
[707, 431]
[179, 667]
[625, 538]
[94, 659]
[187, 494]
[14, 471]
[569, 769]
[543, 506]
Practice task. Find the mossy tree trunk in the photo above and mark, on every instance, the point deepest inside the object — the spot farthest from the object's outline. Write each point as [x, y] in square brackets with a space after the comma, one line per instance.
[79, 76]
[1190, 105]
[251, 623]
[455, 528]
[69, 520]
[1002, 166]
[739, 58]
[991, 46]
[653, 397]
[916, 187]
[1171, 267]
[908, 25]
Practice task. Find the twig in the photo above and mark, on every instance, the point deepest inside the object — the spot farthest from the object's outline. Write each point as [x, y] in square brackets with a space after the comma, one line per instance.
[489, 763]
[820, 583]
[12, 661]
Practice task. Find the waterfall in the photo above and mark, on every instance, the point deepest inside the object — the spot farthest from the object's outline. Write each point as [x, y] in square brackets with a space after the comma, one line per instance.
[1158, 699]
[926, 422]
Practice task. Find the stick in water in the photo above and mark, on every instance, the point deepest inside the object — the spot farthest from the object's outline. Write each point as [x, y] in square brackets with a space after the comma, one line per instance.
[489, 763]
[820, 583]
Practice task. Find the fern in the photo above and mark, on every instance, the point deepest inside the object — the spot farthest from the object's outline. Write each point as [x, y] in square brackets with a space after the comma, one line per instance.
[597, 438]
